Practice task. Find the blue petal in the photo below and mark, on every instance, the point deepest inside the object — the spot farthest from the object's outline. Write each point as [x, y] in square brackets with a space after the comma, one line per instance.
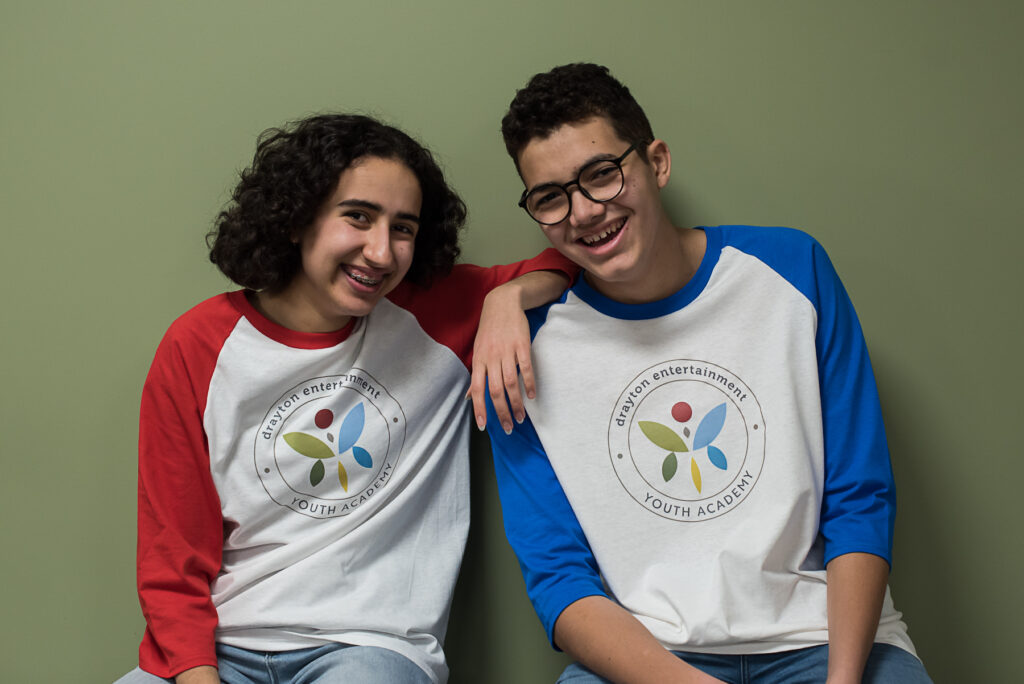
[717, 458]
[362, 457]
[351, 428]
[709, 427]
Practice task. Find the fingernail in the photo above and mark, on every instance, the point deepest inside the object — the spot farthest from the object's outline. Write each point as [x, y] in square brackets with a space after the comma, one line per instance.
[531, 394]
[507, 428]
[480, 423]
[520, 417]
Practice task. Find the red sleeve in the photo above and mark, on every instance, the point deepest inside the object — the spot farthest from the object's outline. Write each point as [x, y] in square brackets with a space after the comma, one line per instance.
[180, 534]
[449, 310]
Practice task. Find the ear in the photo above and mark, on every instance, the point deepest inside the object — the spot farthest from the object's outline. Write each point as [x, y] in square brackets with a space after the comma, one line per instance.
[660, 159]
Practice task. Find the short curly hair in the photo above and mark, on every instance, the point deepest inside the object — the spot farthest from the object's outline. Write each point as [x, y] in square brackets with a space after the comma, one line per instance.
[295, 170]
[569, 94]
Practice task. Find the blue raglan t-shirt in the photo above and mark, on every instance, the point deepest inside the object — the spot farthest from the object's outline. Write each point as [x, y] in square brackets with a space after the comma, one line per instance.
[699, 459]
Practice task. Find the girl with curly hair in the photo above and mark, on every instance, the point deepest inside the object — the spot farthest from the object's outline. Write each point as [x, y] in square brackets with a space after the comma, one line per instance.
[303, 469]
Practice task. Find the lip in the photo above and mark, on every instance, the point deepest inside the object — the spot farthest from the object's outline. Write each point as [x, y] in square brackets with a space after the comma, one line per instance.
[623, 226]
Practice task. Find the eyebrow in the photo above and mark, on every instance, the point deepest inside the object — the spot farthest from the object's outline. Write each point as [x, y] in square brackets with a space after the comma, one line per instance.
[373, 206]
[597, 157]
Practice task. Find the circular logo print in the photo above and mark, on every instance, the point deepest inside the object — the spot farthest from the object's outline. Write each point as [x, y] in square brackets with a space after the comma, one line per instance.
[330, 444]
[686, 440]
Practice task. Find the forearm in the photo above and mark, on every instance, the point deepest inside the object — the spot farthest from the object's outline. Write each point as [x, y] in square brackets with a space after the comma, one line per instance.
[604, 637]
[204, 674]
[530, 289]
[856, 588]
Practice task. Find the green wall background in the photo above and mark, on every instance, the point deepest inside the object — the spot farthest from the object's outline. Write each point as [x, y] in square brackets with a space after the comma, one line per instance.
[890, 131]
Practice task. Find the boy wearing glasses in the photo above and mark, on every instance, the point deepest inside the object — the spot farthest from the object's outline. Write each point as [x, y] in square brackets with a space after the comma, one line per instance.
[703, 490]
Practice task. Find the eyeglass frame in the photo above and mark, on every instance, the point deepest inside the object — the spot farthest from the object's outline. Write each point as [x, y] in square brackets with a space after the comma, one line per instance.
[617, 161]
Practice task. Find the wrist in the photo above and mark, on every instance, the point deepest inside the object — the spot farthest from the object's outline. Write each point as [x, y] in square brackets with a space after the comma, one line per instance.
[510, 293]
[844, 673]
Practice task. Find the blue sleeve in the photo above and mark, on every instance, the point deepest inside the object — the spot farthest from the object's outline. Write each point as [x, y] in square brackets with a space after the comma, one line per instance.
[858, 509]
[858, 506]
[556, 561]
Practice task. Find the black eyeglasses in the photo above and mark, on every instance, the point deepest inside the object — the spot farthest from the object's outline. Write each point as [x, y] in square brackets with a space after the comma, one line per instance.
[599, 181]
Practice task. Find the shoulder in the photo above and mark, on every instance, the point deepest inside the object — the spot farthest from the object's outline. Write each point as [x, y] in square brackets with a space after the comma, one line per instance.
[204, 327]
[219, 309]
[770, 242]
[793, 254]
[538, 316]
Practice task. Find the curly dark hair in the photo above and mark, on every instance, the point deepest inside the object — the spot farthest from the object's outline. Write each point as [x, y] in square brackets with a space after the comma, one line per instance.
[295, 170]
[569, 94]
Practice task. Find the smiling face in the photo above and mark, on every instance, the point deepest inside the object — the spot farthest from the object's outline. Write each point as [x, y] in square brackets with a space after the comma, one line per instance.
[626, 245]
[358, 248]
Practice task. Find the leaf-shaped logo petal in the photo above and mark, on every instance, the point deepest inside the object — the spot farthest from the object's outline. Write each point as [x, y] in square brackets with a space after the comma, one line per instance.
[316, 473]
[668, 467]
[717, 458]
[342, 476]
[363, 457]
[695, 473]
[351, 428]
[662, 436]
[308, 445]
[709, 427]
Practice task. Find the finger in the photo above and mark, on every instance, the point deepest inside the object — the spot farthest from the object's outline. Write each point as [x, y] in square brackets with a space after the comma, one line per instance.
[477, 392]
[515, 398]
[526, 372]
[496, 388]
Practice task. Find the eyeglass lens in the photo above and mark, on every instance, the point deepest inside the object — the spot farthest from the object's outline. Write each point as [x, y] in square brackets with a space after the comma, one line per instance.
[600, 181]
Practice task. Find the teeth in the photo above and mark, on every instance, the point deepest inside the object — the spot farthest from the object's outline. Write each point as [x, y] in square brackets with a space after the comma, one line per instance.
[591, 239]
[358, 277]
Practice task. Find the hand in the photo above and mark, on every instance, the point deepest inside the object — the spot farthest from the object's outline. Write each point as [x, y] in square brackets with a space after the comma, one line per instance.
[501, 353]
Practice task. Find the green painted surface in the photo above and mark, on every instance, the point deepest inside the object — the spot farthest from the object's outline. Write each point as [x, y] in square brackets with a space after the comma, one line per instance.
[891, 131]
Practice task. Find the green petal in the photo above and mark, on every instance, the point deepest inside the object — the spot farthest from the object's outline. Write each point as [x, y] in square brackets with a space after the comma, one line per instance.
[668, 467]
[662, 436]
[316, 474]
[308, 445]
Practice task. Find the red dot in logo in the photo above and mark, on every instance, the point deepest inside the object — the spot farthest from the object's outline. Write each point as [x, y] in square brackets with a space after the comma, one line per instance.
[682, 412]
[323, 418]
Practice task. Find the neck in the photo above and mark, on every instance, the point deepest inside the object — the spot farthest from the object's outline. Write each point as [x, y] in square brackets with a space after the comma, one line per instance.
[290, 312]
[672, 264]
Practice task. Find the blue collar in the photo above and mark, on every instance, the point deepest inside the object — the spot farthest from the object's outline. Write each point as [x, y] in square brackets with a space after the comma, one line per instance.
[662, 307]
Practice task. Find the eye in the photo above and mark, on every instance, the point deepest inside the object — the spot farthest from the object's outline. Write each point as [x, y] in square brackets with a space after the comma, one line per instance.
[405, 229]
[600, 172]
[357, 215]
[545, 197]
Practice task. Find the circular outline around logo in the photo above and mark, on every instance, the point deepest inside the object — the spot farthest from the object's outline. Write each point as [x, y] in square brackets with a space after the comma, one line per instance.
[651, 497]
[265, 458]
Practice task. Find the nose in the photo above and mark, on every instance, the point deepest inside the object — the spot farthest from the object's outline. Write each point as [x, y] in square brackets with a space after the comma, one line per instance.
[582, 209]
[377, 244]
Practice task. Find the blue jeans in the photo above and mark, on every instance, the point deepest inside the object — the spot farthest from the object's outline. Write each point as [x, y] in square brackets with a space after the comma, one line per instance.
[329, 664]
[886, 665]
